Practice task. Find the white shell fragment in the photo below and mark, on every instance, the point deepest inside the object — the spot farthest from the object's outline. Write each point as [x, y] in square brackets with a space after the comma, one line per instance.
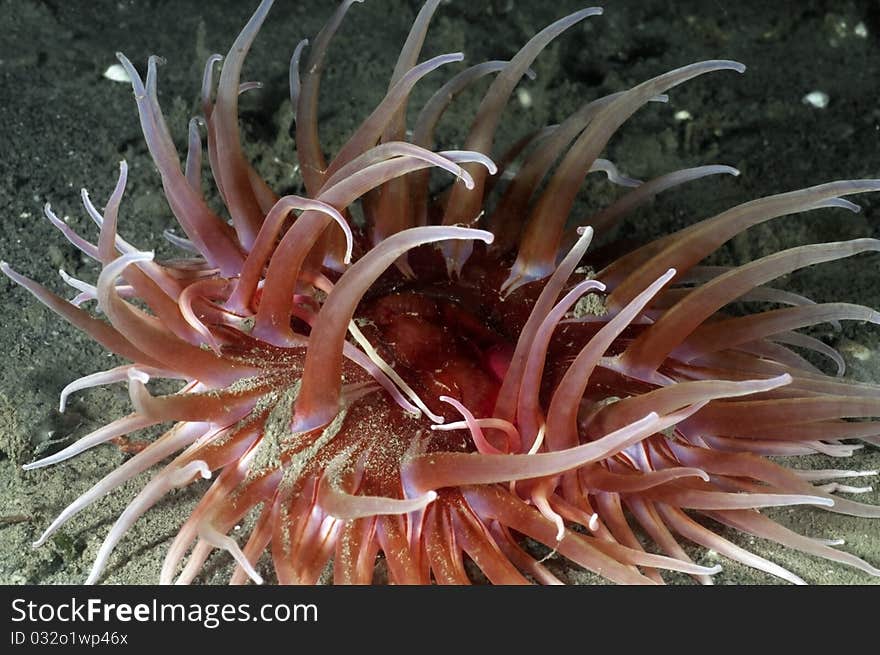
[116, 73]
[817, 99]
[524, 98]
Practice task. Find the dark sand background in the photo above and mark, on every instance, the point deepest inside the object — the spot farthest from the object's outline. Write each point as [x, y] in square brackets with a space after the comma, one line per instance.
[63, 126]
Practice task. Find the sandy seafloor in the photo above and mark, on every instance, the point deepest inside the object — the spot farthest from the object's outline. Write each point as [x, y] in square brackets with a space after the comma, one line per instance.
[64, 126]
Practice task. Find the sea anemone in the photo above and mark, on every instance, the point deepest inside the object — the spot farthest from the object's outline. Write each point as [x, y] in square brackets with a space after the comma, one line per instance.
[443, 377]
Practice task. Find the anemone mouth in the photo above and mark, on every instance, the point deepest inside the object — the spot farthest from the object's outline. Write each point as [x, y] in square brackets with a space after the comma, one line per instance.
[440, 382]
